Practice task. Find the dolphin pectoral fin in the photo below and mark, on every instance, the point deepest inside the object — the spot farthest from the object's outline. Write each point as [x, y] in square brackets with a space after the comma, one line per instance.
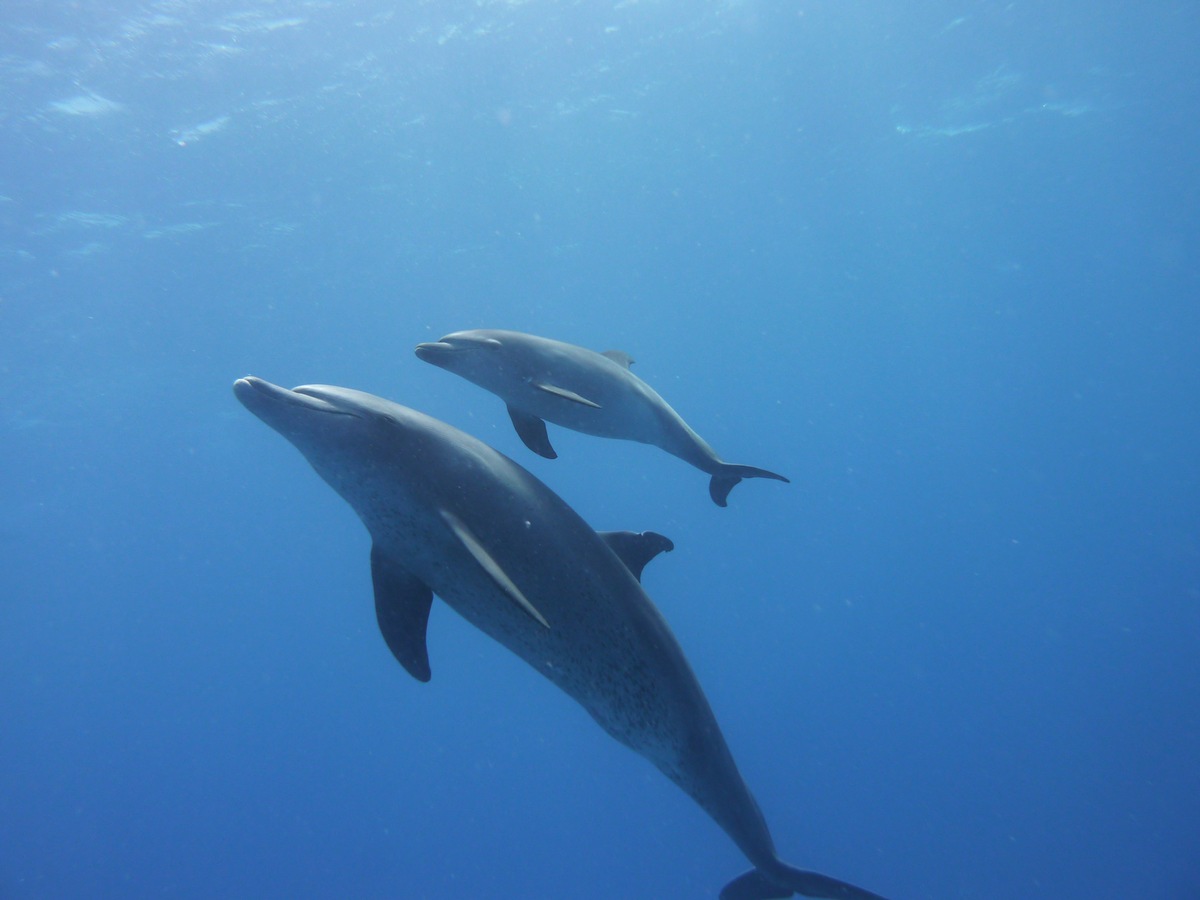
[755, 885]
[565, 394]
[489, 565]
[620, 357]
[728, 477]
[402, 604]
[634, 549]
[532, 432]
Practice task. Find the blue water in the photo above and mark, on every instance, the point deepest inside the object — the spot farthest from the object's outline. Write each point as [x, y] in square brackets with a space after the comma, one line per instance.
[935, 262]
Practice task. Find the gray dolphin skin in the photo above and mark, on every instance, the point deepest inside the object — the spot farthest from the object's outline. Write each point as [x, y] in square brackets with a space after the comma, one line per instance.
[548, 381]
[450, 516]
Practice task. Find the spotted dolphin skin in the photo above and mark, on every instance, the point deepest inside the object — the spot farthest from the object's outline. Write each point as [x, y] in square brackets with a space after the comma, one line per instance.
[450, 516]
[548, 381]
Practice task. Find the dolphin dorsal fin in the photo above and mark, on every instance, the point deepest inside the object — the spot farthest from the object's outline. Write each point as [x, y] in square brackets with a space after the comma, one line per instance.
[565, 394]
[620, 357]
[634, 549]
[402, 604]
[489, 565]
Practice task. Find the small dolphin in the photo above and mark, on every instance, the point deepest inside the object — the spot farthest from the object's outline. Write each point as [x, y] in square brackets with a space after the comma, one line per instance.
[548, 381]
[448, 515]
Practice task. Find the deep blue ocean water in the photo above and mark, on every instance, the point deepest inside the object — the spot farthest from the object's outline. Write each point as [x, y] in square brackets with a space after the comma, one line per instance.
[936, 262]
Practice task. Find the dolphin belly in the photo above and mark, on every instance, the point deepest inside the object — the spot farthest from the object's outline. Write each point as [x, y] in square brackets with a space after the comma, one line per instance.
[606, 644]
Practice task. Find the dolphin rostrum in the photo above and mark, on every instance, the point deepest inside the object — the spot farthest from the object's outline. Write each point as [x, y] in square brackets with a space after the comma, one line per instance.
[449, 515]
[548, 381]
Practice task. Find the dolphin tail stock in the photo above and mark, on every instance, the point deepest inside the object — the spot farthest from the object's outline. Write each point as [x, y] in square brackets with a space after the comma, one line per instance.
[785, 881]
[726, 478]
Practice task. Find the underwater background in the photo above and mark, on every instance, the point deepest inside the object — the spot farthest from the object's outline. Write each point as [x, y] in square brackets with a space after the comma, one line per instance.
[936, 262]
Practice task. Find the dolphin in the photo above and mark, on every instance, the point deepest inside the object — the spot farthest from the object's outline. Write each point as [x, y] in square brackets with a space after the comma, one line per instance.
[448, 515]
[548, 381]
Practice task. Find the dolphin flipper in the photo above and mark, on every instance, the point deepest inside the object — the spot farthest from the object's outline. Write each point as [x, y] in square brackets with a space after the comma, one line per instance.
[728, 476]
[755, 885]
[635, 550]
[402, 609]
[532, 432]
[489, 565]
[564, 394]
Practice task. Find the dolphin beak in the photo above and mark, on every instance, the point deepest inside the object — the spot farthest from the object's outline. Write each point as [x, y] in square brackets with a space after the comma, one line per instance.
[250, 388]
[431, 351]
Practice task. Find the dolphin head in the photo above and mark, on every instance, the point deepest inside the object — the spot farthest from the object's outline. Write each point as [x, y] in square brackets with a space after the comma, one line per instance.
[460, 344]
[481, 356]
[307, 414]
[368, 449]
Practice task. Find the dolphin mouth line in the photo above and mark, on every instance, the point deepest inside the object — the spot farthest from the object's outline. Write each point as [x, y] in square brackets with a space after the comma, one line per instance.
[306, 396]
[456, 346]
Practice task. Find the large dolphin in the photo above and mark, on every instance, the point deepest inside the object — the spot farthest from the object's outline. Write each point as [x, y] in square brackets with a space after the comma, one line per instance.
[448, 515]
[548, 381]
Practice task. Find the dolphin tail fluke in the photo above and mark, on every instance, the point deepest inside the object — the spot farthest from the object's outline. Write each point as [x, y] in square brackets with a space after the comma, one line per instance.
[784, 881]
[727, 477]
